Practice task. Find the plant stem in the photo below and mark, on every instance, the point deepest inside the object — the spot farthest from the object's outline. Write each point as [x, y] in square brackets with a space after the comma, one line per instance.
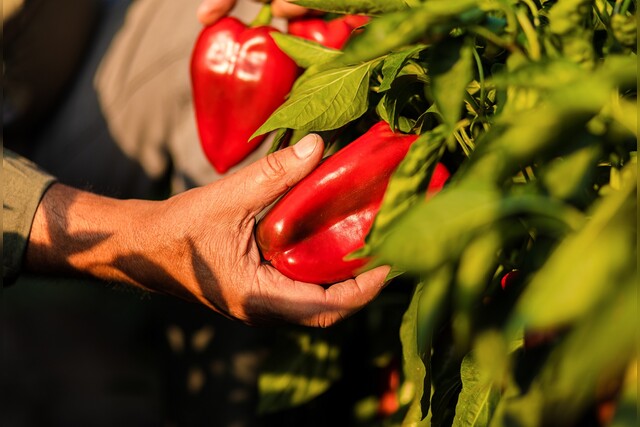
[462, 144]
[625, 6]
[534, 12]
[616, 7]
[474, 104]
[493, 38]
[601, 11]
[483, 95]
[530, 33]
[263, 17]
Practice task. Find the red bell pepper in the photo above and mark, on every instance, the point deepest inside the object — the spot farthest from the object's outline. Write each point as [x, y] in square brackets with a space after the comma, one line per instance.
[239, 77]
[327, 215]
[333, 33]
[438, 180]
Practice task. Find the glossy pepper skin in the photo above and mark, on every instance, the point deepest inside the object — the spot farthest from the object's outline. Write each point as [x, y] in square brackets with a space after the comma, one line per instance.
[333, 33]
[239, 77]
[328, 214]
[439, 178]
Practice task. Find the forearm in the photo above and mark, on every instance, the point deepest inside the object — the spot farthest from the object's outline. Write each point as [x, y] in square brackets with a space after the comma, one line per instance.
[78, 233]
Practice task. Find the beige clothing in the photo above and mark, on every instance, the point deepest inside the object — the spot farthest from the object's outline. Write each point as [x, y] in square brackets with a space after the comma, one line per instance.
[126, 127]
[144, 89]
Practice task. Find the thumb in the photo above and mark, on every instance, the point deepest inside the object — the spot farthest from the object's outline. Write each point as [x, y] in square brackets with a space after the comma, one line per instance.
[269, 177]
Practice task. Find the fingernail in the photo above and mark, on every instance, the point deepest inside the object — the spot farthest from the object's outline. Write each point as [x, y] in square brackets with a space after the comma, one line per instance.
[306, 146]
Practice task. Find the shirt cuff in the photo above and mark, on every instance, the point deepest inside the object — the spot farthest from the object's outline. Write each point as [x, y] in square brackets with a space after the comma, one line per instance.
[24, 184]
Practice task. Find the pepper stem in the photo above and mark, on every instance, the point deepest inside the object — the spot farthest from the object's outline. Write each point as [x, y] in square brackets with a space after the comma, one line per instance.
[264, 16]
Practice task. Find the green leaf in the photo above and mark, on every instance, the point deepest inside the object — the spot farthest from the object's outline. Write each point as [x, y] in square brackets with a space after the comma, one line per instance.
[583, 269]
[404, 90]
[567, 22]
[594, 353]
[432, 233]
[450, 65]
[304, 52]
[522, 135]
[304, 365]
[418, 324]
[281, 139]
[402, 123]
[615, 71]
[571, 177]
[394, 62]
[625, 29]
[536, 75]
[626, 406]
[625, 113]
[324, 101]
[514, 409]
[431, 20]
[414, 366]
[477, 265]
[480, 393]
[366, 7]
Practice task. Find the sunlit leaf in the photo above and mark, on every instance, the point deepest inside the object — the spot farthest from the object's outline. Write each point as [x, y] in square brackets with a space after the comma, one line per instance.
[420, 319]
[477, 264]
[569, 380]
[449, 64]
[476, 401]
[571, 177]
[393, 63]
[585, 267]
[324, 101]
[431, 20]
[435, 232]
[626, 410]
[367, 7]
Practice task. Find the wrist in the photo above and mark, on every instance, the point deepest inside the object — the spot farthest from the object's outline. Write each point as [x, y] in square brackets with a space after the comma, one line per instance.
[79, 233]
[147, 244]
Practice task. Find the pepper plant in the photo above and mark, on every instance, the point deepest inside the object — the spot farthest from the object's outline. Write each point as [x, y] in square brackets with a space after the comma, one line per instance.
[522, 272]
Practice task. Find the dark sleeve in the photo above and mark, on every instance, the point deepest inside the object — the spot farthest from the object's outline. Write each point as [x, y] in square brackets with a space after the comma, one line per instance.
[23, 186]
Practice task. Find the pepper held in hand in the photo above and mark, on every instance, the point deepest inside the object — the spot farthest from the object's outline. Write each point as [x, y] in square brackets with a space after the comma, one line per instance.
[327, 215]
[239, 77]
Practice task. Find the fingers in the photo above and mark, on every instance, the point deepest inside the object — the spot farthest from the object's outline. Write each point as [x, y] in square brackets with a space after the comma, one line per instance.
[210, 11]
[269, 177]
[284, 9]
[313, 305]
[346, 298]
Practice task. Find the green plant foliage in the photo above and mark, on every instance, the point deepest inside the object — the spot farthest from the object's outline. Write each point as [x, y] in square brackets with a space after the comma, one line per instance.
[304, 52]
[449, 66]
[369, 7]
[533, 107]
[292, 381]
[324, 101]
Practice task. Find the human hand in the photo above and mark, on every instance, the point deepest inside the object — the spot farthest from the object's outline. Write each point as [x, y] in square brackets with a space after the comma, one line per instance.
[198, 245]
[224, 269]
[210, 11]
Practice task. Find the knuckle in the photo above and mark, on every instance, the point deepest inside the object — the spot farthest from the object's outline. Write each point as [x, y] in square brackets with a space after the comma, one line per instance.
[273, 167]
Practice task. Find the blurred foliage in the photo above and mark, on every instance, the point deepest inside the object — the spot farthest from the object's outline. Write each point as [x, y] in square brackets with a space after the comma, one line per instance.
[522, 272]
